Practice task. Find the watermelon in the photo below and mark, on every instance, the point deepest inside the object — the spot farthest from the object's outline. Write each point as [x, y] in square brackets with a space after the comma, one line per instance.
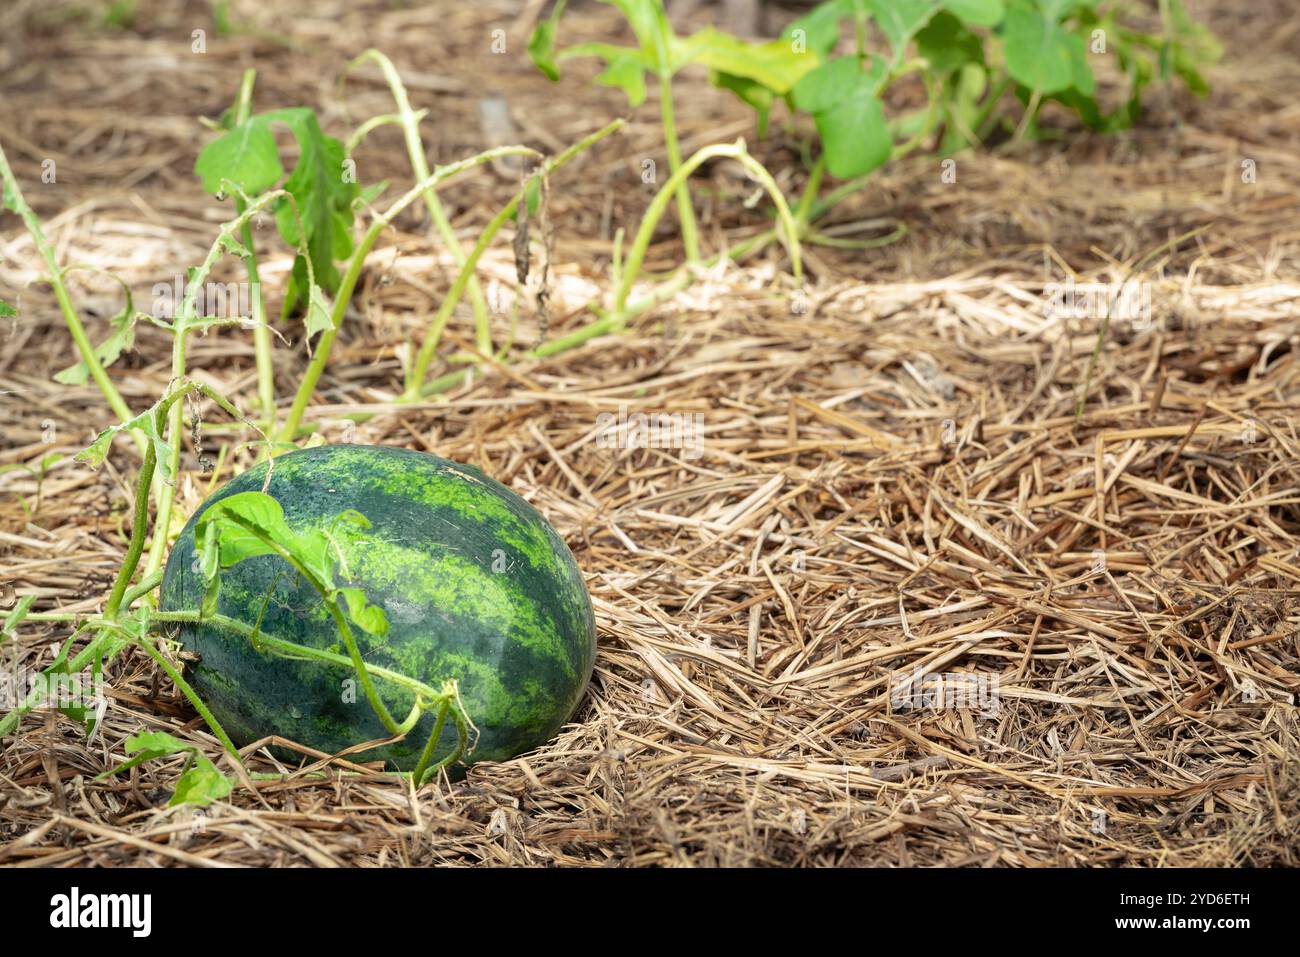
[475, 584]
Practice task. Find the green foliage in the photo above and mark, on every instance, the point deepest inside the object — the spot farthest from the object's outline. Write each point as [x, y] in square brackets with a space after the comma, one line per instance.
[7, 311]
[249, 524]
[844, 101]
[969, 53]
[200, 783]
[745, 68]
[247, 159]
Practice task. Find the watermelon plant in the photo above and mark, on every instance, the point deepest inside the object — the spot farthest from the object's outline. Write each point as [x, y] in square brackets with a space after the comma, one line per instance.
[967, 54]
[457, 605]
[389, 647]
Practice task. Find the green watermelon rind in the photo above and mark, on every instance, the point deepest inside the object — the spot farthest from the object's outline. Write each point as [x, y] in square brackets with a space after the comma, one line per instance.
[475, 583]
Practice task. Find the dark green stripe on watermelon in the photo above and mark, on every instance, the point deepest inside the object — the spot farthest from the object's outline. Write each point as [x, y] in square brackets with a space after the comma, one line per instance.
[475, 584]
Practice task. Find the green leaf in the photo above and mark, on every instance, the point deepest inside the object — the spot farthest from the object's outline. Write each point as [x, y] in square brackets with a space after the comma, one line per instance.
[1043, 56]
[650, 23]
[14, 618]
[854, 134]
[246, 156]
[324, 201]
[202, 784]
[775, 65]
[541, 45]
[156, 744]
[947, 45]
[627, 73]
[237, 542]
[7, 311]
[825, 86]
[369, 618]
[1189, 46]
[121, 339]
[899, 20]
[820, 27]
[232, 245]
[977, 13]
[849, 115]
[319, 312]
[749, 91]
[371, 193]
[146, 746]
[95, 453]
[967, 87]
[250, 524]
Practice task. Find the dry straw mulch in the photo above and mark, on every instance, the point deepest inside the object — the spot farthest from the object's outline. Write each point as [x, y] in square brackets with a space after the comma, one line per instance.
[892, 476]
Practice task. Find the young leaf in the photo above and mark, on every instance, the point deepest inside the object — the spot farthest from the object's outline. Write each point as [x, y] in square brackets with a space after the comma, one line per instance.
[319, 310]
[626, 72]
[7, 311]
[146, 746]
[202, 784]
[324, 202]
[250, 524]
[1042, 55]
[541, 45]
[775, 65]
[246, 156]
[147, 422]
[237, 542]
[947, 45]
[369, 618]
[1189, 46]
[849, 115]
[818, 30]
[759, 97]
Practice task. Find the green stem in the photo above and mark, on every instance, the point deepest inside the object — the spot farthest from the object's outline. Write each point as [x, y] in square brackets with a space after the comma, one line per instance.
[262, 345]
[190, 694]
[289, 648]
[420, 367]
[340, 622]
[165, 477]
[736, 151]
[810, 189]
[410, 122]
[13, 199]
[432, 744]
[139, 529]
[166, 486]
[143, 587]
[326, 342]
[685, 211]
